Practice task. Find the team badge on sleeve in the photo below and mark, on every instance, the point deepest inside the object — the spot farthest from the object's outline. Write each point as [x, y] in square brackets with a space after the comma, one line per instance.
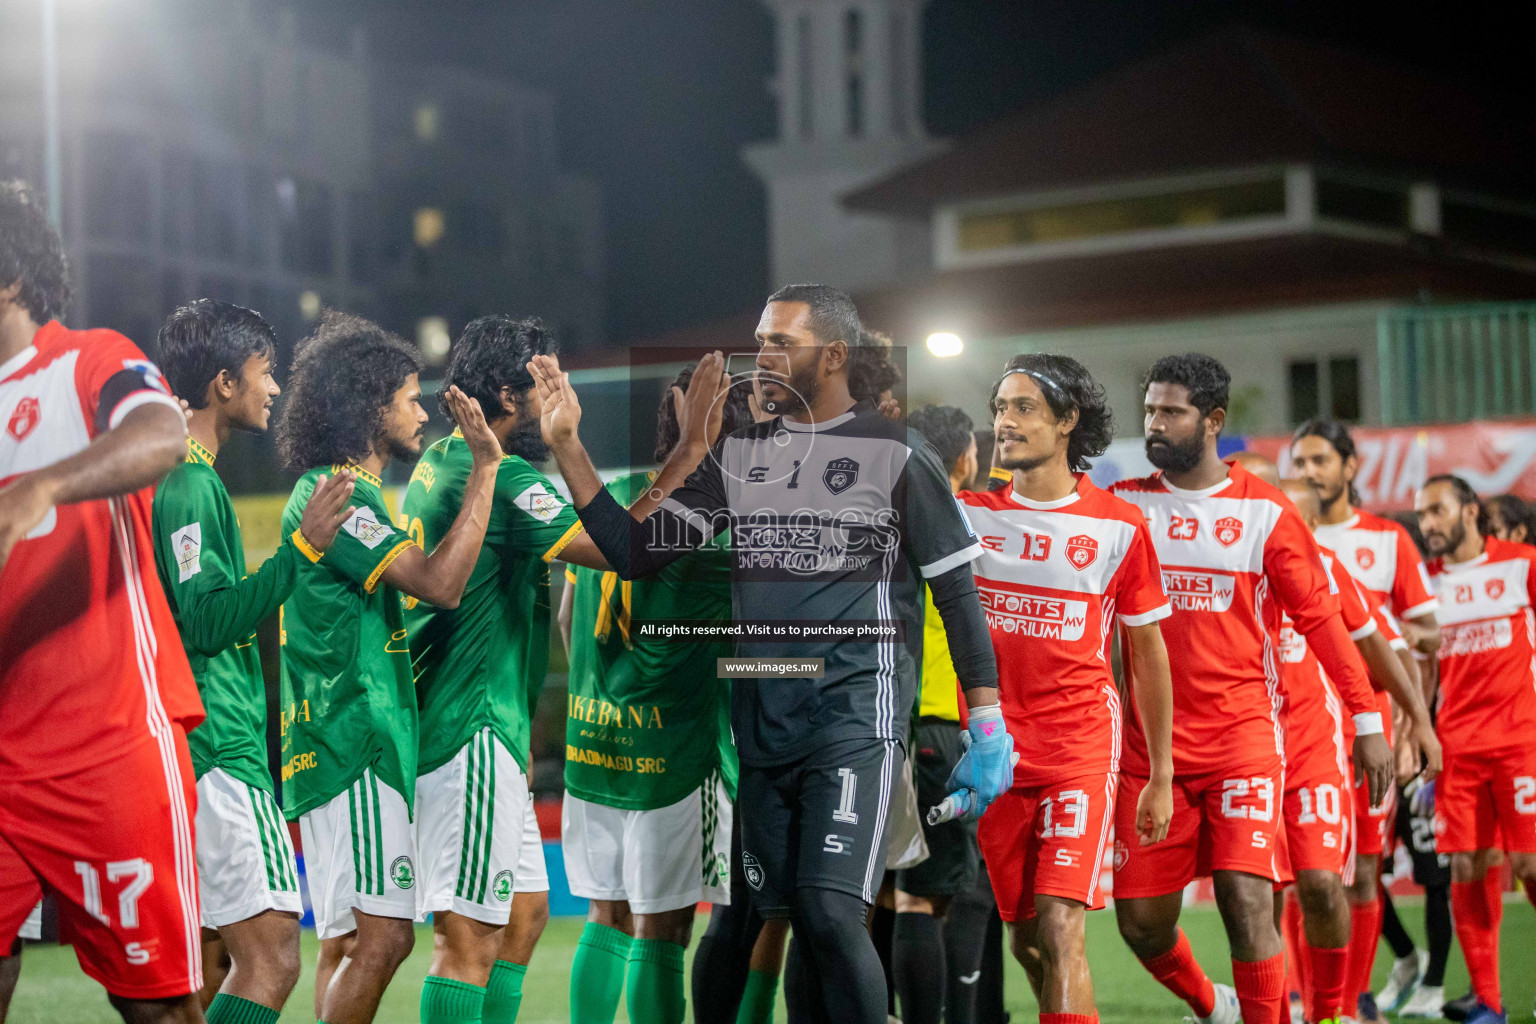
[1229, 530]
[840, 475]
[753, 870]
[365, 526]
[539, 503]
[187, 543]
[1081, 551]
[149, 371]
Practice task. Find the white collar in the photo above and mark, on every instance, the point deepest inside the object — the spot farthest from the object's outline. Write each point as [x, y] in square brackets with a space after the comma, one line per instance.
[1204, 492]
[1043, 506]
[17, 361]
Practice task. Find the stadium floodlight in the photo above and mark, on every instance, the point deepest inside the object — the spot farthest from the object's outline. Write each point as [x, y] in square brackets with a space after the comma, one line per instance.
[945, 345]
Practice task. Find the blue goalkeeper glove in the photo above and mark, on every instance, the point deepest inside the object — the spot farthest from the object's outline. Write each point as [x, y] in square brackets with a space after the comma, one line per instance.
[985, 770]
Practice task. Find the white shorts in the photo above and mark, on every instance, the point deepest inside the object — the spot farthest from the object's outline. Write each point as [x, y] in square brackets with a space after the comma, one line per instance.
[471, 816]
[359, 854]
[245, 862]
[532, 875]
[658, 860]
[32, 927]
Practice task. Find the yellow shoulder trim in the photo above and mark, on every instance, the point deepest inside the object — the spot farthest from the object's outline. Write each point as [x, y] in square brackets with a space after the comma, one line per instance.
[378, 571]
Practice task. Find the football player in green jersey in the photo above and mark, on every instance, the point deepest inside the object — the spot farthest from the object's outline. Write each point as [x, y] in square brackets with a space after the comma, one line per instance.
[650, 766]
[478, 669]
[349, 715]
[217, 358]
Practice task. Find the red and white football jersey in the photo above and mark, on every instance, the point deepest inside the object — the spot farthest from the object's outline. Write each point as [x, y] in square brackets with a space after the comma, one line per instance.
[1232, 556]
[1487, 650]
[1054, 578]
[1316, 717]
[90, 662]
[1379, 553]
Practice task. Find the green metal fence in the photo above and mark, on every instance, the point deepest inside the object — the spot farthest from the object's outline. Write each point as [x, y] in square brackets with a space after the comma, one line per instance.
[1455, 363]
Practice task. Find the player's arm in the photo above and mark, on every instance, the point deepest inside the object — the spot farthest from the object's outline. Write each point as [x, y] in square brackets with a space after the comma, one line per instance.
[1152, 687]
[132, 453]
[1388, 672]
[1412, 600]
[439, 578]
[567, 613]
[1294, 566]
[642, 539]
[215, 609]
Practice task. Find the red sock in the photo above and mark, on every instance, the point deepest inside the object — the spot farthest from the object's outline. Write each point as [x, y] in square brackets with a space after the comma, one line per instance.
[1261, 989]
[1182, 975]
[1330, 971]
[1469, 907]
[1298, 958]
[1069, 1018]
[1364, 937]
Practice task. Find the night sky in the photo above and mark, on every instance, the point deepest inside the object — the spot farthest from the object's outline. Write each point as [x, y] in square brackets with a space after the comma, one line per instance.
[656, 97]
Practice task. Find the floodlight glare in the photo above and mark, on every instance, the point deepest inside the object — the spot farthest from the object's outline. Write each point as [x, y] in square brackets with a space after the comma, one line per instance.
[944, 344]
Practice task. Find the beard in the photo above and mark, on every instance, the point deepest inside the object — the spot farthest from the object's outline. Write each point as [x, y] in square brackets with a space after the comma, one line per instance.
[803, 387]
[1024, 462]
[1447, 542]
[527, 442]
[405, 452]
[1175, 457]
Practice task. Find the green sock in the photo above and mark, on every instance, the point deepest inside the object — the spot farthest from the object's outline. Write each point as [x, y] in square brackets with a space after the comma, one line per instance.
[597, 974]
[654, 988]
[758, 999]
[504, 993]
[227, 1009]
[446, 1001]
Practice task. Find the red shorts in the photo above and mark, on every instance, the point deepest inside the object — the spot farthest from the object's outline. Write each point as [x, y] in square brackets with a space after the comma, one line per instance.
[1048, 840]
[114, 845]
[1319, 821]
[1477, 798]
[1224, 821]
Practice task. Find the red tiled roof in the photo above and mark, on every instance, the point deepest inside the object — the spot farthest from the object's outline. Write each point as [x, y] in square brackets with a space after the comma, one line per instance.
[1231, 98]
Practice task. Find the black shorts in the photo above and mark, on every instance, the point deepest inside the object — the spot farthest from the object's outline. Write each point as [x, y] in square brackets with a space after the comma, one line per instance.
[1418, 835]
[820, 822]
[953, 859]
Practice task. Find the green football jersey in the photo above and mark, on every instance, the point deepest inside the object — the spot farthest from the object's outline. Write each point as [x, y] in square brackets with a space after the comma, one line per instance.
[483, 663]
[348, 702]
[200, 558]
[647, 720]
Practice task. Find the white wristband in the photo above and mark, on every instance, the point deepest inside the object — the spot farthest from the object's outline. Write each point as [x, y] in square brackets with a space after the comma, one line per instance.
[1368, 724]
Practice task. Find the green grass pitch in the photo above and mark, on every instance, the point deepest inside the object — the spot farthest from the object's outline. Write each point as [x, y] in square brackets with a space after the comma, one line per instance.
[54, 991]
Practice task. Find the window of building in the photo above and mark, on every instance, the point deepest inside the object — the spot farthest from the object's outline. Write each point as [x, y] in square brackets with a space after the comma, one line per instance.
[362, 244]
[898, 66]
[117, 188]
[425, 121]
[1488, 227]
[805, 98]
[1185, 208]
[1304, 383]
[1344, 388]
[1376, 205]
[215, 198]
[124, 297]
[855, 105]
[306, 226]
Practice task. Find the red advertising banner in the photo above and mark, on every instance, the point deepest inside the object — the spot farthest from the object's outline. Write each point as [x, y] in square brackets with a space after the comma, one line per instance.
[1494, 457]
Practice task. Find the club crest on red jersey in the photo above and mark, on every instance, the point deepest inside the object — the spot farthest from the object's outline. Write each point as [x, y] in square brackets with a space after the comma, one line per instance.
[1228, 530]
[1365, 557]
[24, 419]
[1494, 588]
[1081, 551]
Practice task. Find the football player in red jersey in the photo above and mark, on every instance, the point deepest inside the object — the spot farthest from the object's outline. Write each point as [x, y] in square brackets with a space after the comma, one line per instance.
[1379, 554]
[1487, 717]
[1234, 555]
[1062, 565]
[96, 788]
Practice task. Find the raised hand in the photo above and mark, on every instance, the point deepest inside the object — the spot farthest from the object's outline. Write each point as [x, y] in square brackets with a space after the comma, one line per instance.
[477, 433]
[562, 412]
[327, 508]
[701, 411]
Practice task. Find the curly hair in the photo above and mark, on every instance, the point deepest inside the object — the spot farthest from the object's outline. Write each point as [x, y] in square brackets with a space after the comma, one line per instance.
[871, 372]
[738, 414]
[32, 254]
[1512, 510]
[493, 353]
[344, 378]
[1206, 380]
[947, 428]
[206, 337]
[1067, 385]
